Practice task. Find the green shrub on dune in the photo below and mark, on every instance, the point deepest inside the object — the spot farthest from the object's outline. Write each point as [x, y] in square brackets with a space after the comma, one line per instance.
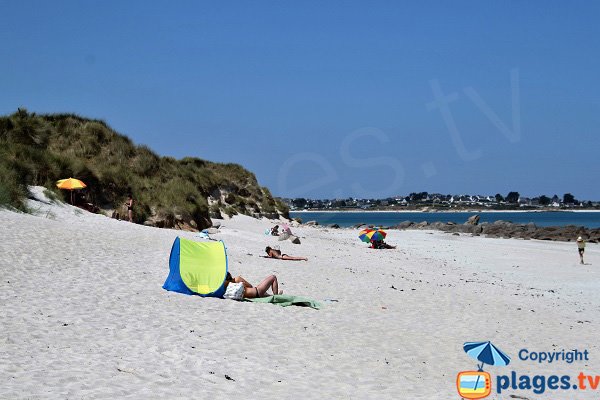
[40, 149]
[11, 191]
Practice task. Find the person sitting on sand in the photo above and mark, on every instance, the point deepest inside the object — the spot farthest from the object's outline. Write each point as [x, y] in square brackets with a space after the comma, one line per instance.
[238, 288]
[286, 229]
[580, 248]
[273, 253]
[275, 230]
[380, 244]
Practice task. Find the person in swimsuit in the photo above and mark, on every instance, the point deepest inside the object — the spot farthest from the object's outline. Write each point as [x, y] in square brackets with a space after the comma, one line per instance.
[273, 253]
[129, 205]
[275, 230]
[380, 244]
[580, 248]
[238, 288]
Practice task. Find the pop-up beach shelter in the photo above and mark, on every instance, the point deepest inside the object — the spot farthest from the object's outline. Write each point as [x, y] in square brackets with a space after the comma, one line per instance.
[197, 268]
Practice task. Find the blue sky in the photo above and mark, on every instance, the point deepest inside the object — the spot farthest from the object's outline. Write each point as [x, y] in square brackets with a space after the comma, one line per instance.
[329, 99]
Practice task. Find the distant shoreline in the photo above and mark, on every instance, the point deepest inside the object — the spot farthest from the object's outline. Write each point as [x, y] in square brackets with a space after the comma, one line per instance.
[443, 212]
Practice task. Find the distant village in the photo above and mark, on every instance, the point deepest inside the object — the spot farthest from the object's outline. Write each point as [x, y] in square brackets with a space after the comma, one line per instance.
[438, 202]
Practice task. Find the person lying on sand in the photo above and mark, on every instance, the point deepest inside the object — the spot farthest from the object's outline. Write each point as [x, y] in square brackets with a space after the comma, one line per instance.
[273, 253]
[238, 288]
[380, 244]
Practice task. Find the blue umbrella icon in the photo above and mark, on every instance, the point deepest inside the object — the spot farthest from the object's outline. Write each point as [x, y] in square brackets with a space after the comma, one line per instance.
[487, 353]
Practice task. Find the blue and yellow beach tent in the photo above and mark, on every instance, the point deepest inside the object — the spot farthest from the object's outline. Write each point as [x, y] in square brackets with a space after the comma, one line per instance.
[197, 268]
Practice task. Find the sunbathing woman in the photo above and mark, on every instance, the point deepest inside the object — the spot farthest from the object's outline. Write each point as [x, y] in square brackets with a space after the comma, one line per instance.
[273, 253]
[238, 288]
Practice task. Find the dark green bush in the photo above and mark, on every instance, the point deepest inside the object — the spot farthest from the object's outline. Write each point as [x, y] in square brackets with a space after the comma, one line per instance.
[12, 192]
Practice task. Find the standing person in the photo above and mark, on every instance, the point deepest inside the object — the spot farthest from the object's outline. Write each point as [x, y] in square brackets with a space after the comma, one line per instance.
[129, 205]
[580, 248]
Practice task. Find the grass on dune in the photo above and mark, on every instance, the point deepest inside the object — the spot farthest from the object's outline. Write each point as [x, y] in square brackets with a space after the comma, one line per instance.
[40, 149]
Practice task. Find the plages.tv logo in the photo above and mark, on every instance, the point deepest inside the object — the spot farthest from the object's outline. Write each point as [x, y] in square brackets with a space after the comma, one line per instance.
[478, 384]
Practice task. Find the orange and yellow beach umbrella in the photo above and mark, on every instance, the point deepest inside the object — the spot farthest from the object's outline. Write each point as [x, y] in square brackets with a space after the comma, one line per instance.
[70, 184]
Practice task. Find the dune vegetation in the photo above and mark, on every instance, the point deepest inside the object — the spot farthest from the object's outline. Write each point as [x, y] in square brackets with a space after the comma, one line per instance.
[40, 149]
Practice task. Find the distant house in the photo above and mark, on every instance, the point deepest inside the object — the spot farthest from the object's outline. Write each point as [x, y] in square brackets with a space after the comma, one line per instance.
[455, 199]
[437, 198]
[524, 201]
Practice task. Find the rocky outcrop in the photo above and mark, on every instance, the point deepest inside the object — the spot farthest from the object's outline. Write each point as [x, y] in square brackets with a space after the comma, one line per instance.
[176, 221]
[215, 213]
[506, 229]
[404, 225]
[268, 215]
[473, 220]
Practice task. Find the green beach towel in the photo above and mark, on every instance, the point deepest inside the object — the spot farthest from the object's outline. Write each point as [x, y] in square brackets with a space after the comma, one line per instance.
[285, 300]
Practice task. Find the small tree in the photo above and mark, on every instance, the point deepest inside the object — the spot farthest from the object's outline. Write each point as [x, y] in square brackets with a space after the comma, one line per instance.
[568, 198]
[499, 197]
[300, 202]
[544, 200]
[513, 197]
[339, 203]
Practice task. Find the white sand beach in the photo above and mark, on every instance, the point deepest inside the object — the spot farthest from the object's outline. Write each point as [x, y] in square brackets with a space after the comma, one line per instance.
[84, 315]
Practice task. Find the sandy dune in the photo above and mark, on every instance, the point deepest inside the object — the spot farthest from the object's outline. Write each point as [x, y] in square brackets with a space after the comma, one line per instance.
[83, 314]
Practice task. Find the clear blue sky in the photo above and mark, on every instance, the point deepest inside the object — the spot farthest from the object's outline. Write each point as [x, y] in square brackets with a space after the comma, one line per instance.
[329, 99]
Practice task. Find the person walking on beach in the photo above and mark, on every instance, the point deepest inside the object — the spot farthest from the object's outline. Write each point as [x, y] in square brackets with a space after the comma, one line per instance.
[580, 248]
[238, 288]
[273, 253]
[129, 205]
